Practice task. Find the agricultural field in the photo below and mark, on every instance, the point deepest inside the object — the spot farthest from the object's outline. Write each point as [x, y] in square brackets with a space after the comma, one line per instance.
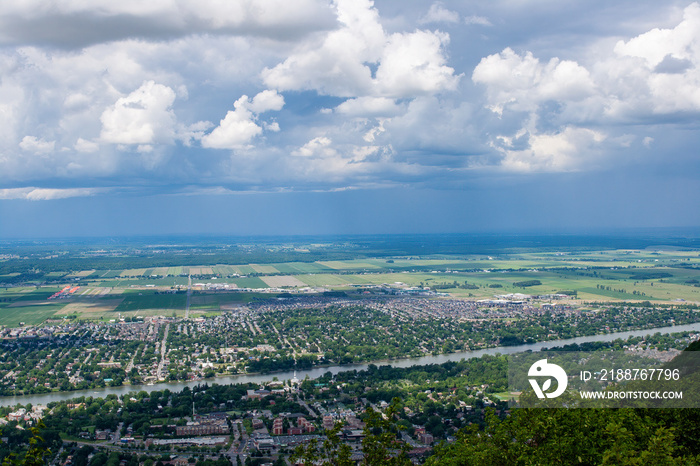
[145, 300]
[657, 274]
[28, 305]
[223, 270]
[249, 282]
[198, 270]
[81, 274]
[294, 268]
[350, 265]
[326, 280]
[92, 309]
[280, 281]
[29, 314]
[264, 269]
[243, 269]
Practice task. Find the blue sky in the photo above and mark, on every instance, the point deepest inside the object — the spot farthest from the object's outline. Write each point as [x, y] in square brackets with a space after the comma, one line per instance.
[350, 116]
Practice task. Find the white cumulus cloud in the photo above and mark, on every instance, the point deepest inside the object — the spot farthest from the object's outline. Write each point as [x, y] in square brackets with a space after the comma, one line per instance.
[439, 14]
[569, 150]
[680, 42]
[480, 20]
[265, 101]
[239, 126]
[413, 64]
[43, 194]
[36, 145]
[561, 104]
[522, 82]
[317, 147]
[340, 63]
[143, 117]
[369, 106]
[668, 79]
[82, 145]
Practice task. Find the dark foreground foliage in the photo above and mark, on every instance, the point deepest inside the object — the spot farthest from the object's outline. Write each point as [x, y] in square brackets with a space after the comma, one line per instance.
[579, 436]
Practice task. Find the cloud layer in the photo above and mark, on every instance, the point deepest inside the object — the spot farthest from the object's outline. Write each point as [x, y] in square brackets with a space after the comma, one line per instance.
[75, 23]
[269, 96]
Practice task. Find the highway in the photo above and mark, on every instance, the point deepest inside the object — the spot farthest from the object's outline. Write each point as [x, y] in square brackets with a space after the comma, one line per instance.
[189, 294]
[159, 373]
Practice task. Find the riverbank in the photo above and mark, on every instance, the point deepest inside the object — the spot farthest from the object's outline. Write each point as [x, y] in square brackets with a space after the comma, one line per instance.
[318, 371]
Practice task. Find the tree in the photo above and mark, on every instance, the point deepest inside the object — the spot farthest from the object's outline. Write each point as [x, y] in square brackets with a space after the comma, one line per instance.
[36, 453]
[566, 436]
[380, 445]
[331, 452]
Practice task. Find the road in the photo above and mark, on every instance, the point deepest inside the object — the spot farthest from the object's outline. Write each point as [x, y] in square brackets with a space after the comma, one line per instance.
[56, 458]
[163, 352]
[312, 413]
[116, 437]
[189, 294]
[122, 448]
[239, 443]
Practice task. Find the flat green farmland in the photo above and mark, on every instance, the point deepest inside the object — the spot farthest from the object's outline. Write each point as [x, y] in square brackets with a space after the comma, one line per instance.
[132, 272]
[249, 282]
[142, 300]
[327, 279]
[349, 265]
[28, 305]
[243, 269]
[293, 268]
[11, 316]
[223, 270]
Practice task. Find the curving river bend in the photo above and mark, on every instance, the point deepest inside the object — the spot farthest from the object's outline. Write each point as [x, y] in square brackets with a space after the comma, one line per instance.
[45, 398]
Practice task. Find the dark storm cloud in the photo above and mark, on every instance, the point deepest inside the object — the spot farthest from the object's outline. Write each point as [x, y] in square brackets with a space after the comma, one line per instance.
[672, 65]
[64, 26]
[487, 101]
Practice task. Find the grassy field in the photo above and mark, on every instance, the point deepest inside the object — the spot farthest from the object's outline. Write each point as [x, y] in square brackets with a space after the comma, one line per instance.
[144, 300]
[350, 265]
[132, 272]
[28, 305]
[302, 268]
[91, 308]
[207, 302]
[221, 300]
[223, 270]
[267, 269]
[34, 314]
[325, 279]
[653, 274]
[243, 269]
[198, 270]
[277, 281]
[81, 274]
[249, 282]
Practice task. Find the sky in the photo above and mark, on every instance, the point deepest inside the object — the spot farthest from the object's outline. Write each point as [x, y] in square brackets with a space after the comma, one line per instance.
[349, 116]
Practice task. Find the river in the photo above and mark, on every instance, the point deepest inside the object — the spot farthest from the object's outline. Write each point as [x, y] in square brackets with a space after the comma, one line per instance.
[45, 398]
